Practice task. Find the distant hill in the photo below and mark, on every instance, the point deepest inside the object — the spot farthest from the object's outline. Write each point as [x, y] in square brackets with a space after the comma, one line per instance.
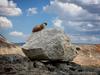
[19, 44]
[4, 42]
[7, 48]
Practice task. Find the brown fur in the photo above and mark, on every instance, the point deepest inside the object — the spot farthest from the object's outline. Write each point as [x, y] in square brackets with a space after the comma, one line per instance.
[38, 28]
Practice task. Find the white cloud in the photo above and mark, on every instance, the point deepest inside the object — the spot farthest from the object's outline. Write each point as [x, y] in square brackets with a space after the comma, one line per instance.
[66, 10]
[16, 34]
[32, 11]
[89, 1]
[12, 4]
[72, 15]
[5, 23]
[82, 1]
[90, 25]
[58, 23]
[82, 25]
[76, 18]
[9, 8]
[3, 3]
[85, 39]
[89, 5]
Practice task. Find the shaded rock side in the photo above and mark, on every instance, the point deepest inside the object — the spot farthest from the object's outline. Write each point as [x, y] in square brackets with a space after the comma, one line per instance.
[49, 44]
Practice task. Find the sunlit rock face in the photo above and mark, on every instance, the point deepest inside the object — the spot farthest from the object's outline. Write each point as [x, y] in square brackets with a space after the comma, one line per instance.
[50, 44]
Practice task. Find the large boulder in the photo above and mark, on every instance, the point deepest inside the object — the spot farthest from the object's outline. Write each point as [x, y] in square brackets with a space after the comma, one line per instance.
[50, 44]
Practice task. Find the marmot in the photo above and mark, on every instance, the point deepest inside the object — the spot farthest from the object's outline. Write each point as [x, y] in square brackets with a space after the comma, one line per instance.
[39, 27]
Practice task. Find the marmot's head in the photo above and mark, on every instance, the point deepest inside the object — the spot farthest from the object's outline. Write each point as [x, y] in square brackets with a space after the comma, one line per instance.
[45, 23]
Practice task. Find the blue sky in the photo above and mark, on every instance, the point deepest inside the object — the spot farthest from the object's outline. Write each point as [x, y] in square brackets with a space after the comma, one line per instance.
[79, 19]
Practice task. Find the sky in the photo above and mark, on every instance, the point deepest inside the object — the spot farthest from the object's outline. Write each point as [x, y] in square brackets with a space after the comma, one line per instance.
[80, 19]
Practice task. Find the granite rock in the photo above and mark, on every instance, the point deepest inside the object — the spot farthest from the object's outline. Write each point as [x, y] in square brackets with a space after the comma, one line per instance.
[50, 44]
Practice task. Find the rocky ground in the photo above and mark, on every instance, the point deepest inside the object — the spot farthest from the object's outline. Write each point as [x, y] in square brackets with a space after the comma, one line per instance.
[13, 61]
[45, 67]
[23, 66]
[89, 55]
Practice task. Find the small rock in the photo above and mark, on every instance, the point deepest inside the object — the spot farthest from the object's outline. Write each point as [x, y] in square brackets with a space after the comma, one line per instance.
[51, 68]
[39, 65]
